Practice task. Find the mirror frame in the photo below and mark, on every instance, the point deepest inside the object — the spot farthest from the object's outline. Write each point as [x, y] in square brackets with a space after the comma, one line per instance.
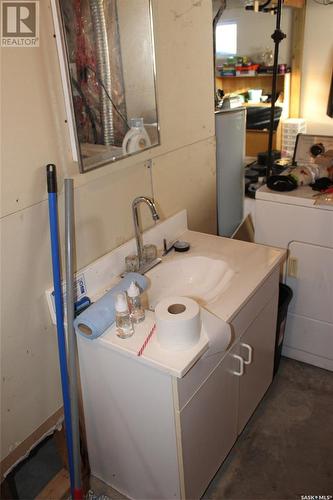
[62, 48]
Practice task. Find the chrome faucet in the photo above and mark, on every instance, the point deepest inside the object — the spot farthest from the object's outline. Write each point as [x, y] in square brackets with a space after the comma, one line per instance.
[143, 267]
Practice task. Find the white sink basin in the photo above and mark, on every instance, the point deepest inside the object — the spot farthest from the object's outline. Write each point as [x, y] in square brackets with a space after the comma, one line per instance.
[201, 278]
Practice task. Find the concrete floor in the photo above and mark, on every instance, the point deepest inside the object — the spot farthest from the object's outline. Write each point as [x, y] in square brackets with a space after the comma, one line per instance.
[285, 451]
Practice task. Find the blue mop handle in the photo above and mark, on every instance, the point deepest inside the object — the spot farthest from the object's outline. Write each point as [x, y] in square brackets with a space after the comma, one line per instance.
[54, 233]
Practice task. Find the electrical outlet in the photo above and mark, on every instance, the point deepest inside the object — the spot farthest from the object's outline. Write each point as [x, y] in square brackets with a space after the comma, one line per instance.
[292, 267]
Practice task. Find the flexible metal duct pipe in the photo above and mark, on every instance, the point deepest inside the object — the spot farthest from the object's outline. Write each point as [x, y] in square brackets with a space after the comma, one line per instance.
[103, 69]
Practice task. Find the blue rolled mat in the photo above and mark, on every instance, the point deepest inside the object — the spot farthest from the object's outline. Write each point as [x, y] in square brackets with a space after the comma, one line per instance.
[99, 316]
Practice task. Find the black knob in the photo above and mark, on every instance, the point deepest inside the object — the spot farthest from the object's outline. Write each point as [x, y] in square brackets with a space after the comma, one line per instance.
[317, 149]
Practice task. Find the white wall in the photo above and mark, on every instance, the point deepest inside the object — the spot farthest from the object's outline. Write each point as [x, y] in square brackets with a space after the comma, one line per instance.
[317, 68]
[255, 30]
[34, 133]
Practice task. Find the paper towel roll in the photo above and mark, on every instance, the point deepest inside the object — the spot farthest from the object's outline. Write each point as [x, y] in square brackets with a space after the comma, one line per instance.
[178, 323]
[93, 322]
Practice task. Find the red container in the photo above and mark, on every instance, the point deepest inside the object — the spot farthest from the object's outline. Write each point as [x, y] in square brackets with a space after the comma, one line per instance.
[250, 70]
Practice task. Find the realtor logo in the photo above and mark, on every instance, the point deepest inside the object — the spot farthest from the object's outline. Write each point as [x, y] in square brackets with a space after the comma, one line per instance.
[20, 24]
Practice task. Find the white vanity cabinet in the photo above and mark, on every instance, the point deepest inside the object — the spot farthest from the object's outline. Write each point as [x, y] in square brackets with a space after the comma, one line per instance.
[152, 435]
[217, 413]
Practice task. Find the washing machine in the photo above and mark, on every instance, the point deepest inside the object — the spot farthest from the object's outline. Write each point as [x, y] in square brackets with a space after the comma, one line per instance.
[293, 221]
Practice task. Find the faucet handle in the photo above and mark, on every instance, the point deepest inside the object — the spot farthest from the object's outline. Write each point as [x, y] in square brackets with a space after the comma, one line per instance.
[132, 263]
[149, 253]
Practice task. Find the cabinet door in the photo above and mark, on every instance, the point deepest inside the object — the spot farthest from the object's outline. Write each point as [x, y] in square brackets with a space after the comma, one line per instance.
[257, 348]
[209, 425]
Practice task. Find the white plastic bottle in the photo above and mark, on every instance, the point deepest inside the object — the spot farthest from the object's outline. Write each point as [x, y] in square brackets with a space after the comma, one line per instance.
[134, 301]
[136, 138]
[123, 320]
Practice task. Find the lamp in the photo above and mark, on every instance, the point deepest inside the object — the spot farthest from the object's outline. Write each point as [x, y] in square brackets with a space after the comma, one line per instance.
[277, 37]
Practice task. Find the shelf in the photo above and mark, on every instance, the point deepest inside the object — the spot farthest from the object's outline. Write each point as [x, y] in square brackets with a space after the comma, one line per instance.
[258, 75]
[241, 84]
[261, 104]
[257, 140]
[298, 4]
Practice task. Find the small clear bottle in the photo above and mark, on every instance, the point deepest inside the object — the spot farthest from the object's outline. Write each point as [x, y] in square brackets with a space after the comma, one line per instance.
[134, 301]
[123, 320]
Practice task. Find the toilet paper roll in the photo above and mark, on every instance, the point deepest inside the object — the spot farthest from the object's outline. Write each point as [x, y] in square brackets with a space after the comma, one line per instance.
[178, 323]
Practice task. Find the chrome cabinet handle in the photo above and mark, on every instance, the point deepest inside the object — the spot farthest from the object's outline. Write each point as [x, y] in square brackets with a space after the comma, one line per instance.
[250, 352]
[241, 365]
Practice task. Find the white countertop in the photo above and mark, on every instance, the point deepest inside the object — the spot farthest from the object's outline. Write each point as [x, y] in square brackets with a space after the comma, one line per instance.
[214, 331]
[174, 362]
[251, 263]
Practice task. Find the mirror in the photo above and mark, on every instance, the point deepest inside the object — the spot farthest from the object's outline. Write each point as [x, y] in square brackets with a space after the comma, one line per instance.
[244, 59]
[109, 72]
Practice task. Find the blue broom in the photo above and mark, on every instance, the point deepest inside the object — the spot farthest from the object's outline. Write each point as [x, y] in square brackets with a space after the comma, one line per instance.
[54, 233]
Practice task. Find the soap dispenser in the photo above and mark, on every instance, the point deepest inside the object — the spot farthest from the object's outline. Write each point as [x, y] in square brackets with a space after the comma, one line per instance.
[123, 320]
[134, 301]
